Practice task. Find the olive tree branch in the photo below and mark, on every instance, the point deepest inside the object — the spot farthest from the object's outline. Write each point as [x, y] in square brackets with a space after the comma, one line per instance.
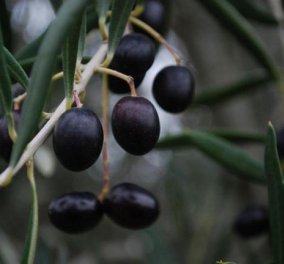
[89, 69]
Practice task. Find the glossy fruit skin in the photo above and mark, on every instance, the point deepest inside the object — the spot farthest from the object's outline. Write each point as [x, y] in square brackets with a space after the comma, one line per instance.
[155, 14]
[135, 124]
[134, 55]
[280, 142]
[131, 206]
[6, 143]
[251, 222]
[173, 88]
[75, 212]
[78, 139]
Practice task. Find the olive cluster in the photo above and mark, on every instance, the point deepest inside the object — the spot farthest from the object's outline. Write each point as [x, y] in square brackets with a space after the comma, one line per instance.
[78, 135]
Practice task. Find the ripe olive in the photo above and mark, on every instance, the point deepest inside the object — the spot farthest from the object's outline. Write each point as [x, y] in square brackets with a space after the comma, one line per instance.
[75, 212]
[78, 139]
[251, 222]
[131, 206]
[173, 88]
[135, 124]
[134, 55]
[155, 14]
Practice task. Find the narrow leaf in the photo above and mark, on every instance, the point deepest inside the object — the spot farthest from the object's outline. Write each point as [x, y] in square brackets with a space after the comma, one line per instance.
[253, 11]
[235, 136]
[5, 24]
[82, 39]
[275, 194]
[231, 19]
[69, 59]
[248, 83]
[222, 151]
[5, 82]
[16, 70]
[119, 17]
[31, 236]
[67, 17]
[31, 49]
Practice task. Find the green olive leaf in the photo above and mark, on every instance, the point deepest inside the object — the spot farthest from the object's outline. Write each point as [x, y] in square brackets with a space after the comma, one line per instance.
[235, 23]
[68, 15]
[248, 83]
[230, 156]
[275, 181]
[236, 136]
[5, 82]
[119, 17]
[254, 11]
[5, 24]
[31, 49]
[70, 55]
[15, 69]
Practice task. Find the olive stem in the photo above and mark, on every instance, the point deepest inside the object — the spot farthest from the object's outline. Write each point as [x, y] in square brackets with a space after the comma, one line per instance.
[157, 36]
[57, 76]
[34, 228]
[129, 79]
[105, 104]
[11, 126]
[19, 100]
[102, 27]
[77, 99]
[138, 10]
[39, 139]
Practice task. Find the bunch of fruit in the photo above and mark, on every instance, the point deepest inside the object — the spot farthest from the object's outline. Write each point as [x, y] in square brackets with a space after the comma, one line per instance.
[78, 136]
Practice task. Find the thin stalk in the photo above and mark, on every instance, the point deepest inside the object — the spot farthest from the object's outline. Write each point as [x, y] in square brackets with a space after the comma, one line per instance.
[157, 36]
[11, 127]
[57, 76]
[105, 103]
[129, 79]
[103, 29]
[19, 100]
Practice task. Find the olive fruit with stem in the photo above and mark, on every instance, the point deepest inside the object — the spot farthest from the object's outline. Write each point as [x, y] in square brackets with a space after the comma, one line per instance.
[75, 212]
[135, 124]
[131, 206]
[134, 55]
[78, 139]
[173, 88]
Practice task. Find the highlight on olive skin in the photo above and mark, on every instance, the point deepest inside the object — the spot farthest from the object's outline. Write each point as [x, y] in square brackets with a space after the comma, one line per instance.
[78, 139]
[134, 55]
[135, 124]
[173, 88]
[75, 212]
[131, 206]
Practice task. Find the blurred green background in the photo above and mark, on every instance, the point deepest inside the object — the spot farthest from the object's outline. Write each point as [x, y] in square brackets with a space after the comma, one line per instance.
[199, 200]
